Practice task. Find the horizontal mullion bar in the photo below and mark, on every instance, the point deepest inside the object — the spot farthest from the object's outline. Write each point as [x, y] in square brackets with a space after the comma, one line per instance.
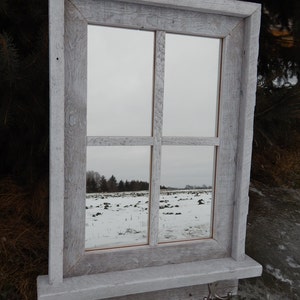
[148, 141]
[119, 141]
[190, 141]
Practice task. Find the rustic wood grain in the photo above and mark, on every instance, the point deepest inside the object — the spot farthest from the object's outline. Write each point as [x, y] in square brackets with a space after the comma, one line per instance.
[245, 135]
[195, 292]
[190, 141]
[159, 67]
[149, 141]
[237, 23]
[56, 189]
[75, 135]
[222, 7]
[116, 13]
[119, 141]
[228, 134]
[137, 281]
[111, 260]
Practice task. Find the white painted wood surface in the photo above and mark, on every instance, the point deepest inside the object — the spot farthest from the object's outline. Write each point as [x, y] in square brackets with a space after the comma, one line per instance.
[196, 292]
[56, 190]
[119, 141]
[137, 281]
[116, 13]
[119, 14]
[190, 141]
[158, 98]
[111, 260]
[75, 135]
[149, 141]
[228, 132]
[233, 150]
[245, 136]
[222, 7]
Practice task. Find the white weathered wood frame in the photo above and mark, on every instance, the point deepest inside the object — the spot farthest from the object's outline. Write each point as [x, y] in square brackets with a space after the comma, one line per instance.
[237, 24]
[57, 119]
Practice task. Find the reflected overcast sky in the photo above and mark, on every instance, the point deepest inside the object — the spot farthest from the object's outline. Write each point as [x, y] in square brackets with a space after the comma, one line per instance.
[120, 92]
[120, 76]
[187, 165]
[191, 77]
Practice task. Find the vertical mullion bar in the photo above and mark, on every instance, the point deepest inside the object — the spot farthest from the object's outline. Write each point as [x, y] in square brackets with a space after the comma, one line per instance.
[56, 203]
[159, 67]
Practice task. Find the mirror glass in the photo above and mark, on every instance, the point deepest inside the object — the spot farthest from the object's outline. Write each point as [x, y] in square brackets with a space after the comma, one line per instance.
[117, 198]
[186, 198]
[191, 85]
[120, 80]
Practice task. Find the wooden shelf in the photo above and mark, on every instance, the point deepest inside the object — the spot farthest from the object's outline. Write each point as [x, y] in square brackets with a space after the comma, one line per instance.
[114, 284]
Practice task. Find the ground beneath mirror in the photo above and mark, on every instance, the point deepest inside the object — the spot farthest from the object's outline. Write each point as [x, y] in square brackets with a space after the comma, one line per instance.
[273, 240]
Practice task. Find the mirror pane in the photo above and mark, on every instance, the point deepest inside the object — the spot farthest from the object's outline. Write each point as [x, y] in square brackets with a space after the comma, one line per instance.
[191, 85]
[120, 79]
[185, 210]
[117, 196]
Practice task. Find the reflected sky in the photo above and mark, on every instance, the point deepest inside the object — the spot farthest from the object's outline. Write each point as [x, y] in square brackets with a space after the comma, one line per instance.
[187, 165]
[120, 81]
[191, 85]
[125, 163]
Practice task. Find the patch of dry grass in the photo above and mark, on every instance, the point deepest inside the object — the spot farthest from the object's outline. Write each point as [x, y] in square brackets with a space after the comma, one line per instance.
[277, 167]
[23, 238]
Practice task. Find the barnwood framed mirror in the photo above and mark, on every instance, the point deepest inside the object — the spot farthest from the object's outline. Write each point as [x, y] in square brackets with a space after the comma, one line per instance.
[152, 106]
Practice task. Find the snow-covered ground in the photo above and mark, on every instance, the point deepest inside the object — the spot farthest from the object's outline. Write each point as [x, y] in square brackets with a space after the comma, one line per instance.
[121, 219]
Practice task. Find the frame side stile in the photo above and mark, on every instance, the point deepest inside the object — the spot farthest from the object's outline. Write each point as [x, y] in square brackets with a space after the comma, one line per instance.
[56, 189]
[75, 136]
[228, 132]
[248, 91]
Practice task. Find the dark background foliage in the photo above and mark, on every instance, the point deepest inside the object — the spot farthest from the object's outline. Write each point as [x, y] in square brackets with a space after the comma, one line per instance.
[24, 135]
[24, 129]
[276, 155]
[24, 89]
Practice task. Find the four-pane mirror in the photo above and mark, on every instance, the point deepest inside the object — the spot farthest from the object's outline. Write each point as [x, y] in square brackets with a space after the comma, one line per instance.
[121, 64]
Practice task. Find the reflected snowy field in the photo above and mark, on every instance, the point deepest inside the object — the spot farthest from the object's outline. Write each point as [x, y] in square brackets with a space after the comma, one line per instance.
[121, 218]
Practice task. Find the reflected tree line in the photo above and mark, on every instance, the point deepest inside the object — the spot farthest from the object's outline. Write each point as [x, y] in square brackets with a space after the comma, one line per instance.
[95, 183]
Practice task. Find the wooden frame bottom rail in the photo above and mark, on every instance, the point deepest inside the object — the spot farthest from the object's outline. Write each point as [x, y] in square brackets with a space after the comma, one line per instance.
[136, 281]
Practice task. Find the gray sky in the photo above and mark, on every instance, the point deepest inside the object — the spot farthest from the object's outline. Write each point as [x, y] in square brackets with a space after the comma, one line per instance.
[120, 84]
